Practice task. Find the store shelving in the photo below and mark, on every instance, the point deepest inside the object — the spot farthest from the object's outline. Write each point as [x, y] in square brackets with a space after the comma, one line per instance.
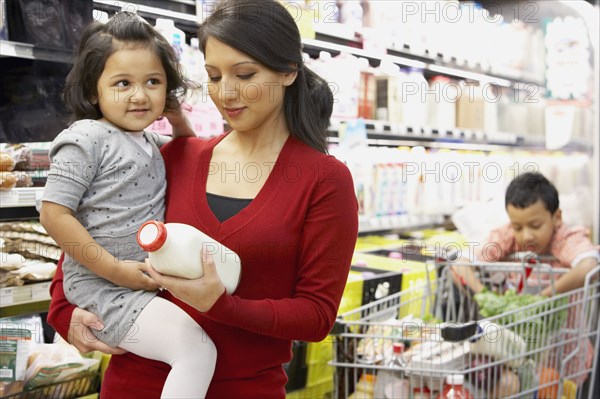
[186, 22]
[141, 9]
[397, 223]
[26, 299]
[444, 65]
[20, 197]
[383, 133]
[328, 39]
[30, 51]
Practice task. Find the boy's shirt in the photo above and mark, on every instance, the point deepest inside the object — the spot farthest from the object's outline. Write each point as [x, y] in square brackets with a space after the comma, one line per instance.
[569, 245]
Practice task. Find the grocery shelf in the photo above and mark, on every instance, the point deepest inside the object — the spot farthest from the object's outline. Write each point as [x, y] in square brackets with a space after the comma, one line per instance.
[26, 299]
[438, 63]
[371, 224]
[33, 52]
[184, 21]
[20, 197]
[115, 5]
[383, 133]
[426, 59]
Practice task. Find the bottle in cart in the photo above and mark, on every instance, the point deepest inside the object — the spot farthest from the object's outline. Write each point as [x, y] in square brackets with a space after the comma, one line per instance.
[454, 388]
[392, 383]
[176, 249]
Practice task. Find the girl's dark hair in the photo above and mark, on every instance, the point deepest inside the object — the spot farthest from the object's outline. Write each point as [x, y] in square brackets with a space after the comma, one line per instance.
[267, 32]
[98, 42]
[526, 189]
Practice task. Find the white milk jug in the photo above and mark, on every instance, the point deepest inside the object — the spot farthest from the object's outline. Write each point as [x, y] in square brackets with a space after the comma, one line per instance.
[176, 249]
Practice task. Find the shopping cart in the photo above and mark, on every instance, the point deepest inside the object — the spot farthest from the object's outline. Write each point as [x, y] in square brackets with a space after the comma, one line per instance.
[538, 349]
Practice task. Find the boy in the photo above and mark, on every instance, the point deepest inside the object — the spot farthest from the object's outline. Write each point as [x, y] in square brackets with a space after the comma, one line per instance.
[536, 225]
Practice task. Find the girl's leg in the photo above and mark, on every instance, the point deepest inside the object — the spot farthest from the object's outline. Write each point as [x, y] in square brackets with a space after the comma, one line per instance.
[164, 332]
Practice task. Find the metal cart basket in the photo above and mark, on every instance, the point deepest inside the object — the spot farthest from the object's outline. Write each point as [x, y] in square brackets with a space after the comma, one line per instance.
[534, 347]
[85, 384]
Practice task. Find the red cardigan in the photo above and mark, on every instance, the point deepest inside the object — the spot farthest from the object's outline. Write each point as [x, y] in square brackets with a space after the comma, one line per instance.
[295, 241]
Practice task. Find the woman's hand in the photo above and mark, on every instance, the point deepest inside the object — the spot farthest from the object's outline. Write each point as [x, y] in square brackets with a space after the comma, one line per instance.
[201, 293]
[81, 336]
[130, 274]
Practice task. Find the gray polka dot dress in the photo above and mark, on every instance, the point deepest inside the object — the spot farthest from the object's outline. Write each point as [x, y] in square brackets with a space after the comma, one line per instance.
[113, 186]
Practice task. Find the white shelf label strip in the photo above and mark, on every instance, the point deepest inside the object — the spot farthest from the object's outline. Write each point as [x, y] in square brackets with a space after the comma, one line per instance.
[6, 297]
[40, 292]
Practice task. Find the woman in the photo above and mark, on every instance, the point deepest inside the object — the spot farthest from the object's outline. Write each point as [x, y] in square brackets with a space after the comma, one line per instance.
[268, 191]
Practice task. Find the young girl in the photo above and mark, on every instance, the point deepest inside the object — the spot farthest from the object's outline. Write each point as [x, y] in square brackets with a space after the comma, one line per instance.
[267, 190]
[108, 177]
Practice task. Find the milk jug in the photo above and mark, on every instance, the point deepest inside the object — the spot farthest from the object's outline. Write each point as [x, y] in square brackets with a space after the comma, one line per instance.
[176, 249]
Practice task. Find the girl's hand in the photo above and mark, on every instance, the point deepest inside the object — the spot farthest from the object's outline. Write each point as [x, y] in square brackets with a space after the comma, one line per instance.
[130, 274]
[80, 333]
[201, 293]
[180, 122]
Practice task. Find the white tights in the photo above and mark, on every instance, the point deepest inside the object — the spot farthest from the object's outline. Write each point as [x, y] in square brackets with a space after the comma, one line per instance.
[164, 332]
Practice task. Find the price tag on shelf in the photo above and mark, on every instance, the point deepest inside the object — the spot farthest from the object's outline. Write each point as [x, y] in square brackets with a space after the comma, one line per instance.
[6, 296]
[378, 126]
[412, 220]
[40, 291]
[8, 198]
[374, 222]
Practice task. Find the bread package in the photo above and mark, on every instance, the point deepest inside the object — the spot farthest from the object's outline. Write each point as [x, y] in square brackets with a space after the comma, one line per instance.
[21, 155]
[23, 178]
[7, 164]
[8, 180]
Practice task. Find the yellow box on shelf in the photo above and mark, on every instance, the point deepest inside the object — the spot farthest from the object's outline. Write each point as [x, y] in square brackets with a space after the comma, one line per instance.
[415, 277]
[303, 16]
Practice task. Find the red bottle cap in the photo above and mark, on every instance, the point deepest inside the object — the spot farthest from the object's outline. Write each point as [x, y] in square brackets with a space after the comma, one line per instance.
[398, 347]
[152, 235]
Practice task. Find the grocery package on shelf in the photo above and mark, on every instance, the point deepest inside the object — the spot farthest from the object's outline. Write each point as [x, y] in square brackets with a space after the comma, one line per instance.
[413, 277]
[8, 180]
[175, 37]
[45, 370]
[391, 182]
[27, 253]
[201, 112]
[344, 76]
[14, 351]
[19, 167]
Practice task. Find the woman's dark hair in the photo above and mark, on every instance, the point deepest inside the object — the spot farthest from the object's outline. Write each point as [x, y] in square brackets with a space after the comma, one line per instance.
[98, 42]
[267, 32]
[526, 189]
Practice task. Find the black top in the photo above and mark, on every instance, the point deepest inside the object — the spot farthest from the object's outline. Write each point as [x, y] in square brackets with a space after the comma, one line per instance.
[225, 207]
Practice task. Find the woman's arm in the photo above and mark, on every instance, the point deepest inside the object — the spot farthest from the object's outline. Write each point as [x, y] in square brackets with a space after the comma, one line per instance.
[325, 251]
[75, 240]
[61, 311]
[73, 323]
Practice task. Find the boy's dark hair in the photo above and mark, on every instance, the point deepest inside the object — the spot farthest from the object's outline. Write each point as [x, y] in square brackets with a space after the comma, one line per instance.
[98, 42]
[267, 32]
[526, 189]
